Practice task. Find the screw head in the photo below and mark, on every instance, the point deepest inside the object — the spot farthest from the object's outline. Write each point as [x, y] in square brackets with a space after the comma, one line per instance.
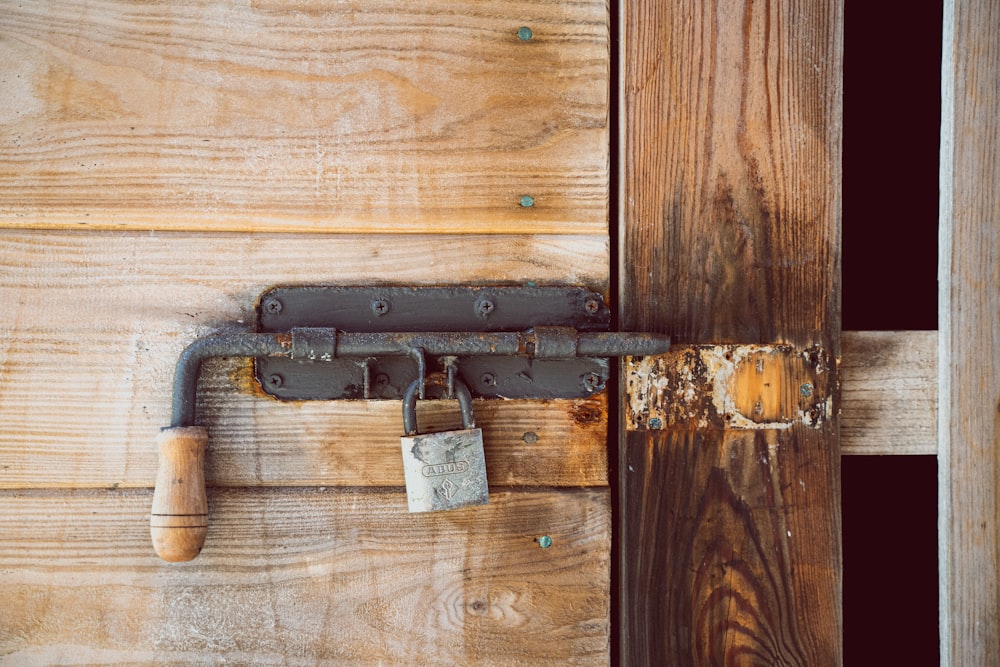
[273, 306]
[381, 380]
[484, 307]
[380, 307]
[593, 382]
[275, 381]
[592, 306]
[488, 379]
[806, 390]
[524, 33]
[544, 541]
[527, 201]
[655, 423]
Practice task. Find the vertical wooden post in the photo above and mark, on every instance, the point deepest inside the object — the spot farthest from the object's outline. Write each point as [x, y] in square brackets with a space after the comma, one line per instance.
[730, 537]
[969, 330]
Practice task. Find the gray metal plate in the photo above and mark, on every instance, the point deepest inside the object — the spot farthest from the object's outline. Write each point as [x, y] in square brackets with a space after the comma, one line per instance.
[397, 309]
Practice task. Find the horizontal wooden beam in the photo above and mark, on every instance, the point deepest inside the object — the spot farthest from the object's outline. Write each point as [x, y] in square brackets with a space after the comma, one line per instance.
[307, 576]
[359, 117]
[889, 392]
[95, 322]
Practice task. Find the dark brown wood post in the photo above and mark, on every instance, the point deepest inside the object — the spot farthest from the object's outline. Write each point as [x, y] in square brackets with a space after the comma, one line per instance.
[730, 518]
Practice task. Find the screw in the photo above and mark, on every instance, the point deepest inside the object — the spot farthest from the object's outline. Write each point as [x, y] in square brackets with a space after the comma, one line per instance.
[593, 382]
[524, 34]
[484, 307]
[380, 307]
[488, 379]
[530, 437]
[273, 306]
[275, 381]
[655, 423]
[381, 380]
[592, 306]
[806, 390]
[527, 201]
[544, 541]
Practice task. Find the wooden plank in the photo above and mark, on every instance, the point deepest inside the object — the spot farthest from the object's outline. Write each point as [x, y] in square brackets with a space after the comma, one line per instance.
[95, 323]
[377, 116]
[889, 392]
[731, 208]
[969, 321]
[307, 576]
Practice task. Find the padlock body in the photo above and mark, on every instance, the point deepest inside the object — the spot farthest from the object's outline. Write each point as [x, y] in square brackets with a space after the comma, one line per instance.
[445, 470]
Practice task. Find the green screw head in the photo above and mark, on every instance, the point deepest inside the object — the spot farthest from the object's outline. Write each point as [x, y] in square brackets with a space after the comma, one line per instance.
[527, 201]
[544, 541]
[806, 390]
[524, 34]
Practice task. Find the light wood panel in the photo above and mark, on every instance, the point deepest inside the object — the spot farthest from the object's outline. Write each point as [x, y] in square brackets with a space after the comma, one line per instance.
[305, 576]
[889, 392]
[969, 321]
[731, 208]
[381, 116]
[95, 323]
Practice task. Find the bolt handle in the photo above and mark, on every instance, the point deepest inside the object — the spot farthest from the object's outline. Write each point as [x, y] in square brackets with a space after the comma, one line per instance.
[178, 522]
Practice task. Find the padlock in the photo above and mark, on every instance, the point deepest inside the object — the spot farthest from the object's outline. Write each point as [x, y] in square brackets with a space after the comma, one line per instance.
[445, 470]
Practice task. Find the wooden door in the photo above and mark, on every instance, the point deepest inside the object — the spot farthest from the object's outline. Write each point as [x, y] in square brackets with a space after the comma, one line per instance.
[163, 164]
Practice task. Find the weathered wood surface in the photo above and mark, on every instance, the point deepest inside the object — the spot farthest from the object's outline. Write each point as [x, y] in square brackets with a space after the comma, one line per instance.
[95, 324]
[305, 577]
[731, 206]
[969, 321]
[377, 116]
[147, 154]
[889, 392]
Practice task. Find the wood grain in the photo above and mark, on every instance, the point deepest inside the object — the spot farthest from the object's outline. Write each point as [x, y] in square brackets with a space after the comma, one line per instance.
[95, 324]
[306, 576]
[376, 116]
[731, 209]
[969, 321]
[889, 394]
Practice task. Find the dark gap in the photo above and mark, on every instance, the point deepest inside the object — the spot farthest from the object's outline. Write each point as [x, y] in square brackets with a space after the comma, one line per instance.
[890, 560]
[892, 118]
[615, 438]
[892, 110]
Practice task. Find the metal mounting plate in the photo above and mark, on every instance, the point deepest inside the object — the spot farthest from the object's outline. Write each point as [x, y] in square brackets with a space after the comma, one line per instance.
[437, 309]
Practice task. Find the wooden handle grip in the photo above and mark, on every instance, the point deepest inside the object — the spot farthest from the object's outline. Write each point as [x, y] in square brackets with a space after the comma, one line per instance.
[179, 520]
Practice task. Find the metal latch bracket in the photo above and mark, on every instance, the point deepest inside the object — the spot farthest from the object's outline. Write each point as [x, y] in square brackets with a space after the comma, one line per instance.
[389, 313]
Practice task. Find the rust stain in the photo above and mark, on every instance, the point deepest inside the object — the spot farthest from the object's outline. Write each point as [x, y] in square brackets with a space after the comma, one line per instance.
[740, 387]
[588, 412]
[243, 381]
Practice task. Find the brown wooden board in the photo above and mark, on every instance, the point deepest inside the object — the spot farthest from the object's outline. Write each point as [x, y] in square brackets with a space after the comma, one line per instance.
[96, 321]
[969, 303]
[730, 538]
[389, 116]
[306, 576]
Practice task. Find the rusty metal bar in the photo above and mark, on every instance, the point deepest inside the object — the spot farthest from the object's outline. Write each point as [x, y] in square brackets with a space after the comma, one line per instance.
[323, 344]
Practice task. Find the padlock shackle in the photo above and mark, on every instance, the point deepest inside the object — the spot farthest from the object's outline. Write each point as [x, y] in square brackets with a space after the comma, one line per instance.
[436, 380]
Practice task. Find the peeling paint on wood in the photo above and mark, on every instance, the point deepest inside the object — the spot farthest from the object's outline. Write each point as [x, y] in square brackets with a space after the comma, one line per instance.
[744, 387]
